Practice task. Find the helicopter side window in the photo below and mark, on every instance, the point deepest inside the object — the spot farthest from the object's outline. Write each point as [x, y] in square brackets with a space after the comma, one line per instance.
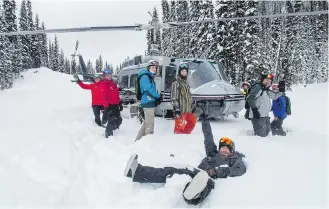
[170, 74]
[159, 72]
[124, 81]
[133, 80]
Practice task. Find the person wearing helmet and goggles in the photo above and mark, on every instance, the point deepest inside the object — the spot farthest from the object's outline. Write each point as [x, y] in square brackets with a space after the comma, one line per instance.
[259, 102]
[279, 110]
[182, 103]
[96, 98]
[149, 98]
[245, 87]
[111, 102]
[220, 162]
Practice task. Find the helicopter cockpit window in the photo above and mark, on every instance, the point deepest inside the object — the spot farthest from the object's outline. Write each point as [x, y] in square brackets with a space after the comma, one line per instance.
[133, 80]
[124, 81]
[220, 70]
[170, 74]
[201, 73]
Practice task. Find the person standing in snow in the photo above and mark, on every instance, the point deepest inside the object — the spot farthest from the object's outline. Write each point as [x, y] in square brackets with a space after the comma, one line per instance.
[150, 97]
[181, 100]
[111, 102]
[221, 162]
[259, 101]
[96, 98]
[279, 111]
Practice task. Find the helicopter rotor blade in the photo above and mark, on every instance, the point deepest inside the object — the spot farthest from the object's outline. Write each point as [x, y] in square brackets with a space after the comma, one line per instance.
[173, 24]
[79, 29]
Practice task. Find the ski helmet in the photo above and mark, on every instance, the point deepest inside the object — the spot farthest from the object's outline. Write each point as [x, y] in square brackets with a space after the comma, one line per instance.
[107, 71]
[268, 76]
[226, 141]
[275, 86]
[245, 83]
[182, 66]
[152, 63]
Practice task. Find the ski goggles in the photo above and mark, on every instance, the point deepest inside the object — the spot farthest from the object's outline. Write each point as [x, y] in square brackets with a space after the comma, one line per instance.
[226, 140]
[107, 71]
[270, 76]
[183, 66]
[275, 86]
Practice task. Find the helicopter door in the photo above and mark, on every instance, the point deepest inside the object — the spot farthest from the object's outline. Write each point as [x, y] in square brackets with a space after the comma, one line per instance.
[170, 75]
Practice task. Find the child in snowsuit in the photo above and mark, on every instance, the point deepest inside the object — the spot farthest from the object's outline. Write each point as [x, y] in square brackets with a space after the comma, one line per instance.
[96, 98]
[182, 102]
[279, 111]
[221, 162]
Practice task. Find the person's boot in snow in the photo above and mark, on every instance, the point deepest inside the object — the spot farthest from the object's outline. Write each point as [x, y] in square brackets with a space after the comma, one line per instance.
[131, 166]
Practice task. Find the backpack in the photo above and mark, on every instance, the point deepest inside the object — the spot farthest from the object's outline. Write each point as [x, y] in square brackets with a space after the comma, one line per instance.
[288, 105]
[137, 86]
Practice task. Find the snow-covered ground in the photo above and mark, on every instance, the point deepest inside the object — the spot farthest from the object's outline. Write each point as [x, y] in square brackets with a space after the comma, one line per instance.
[53, 155]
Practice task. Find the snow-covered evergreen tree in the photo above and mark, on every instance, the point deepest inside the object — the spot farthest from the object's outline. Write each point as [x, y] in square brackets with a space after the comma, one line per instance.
[173, 31]
[43, 47]
[50, 55]
[165, 32]
[23, 25]
[55, 61]
[73, 66]
[194, 11]
[67, 66]
[90, 67]
[62, 62]
[183, 32]
[4, 54]
[37, 44]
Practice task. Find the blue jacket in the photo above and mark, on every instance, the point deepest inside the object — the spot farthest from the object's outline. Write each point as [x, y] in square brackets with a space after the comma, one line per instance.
[279, 107]
[148, 89]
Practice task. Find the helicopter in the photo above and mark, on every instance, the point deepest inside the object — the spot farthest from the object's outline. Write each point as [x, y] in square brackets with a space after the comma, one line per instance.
[217, 85]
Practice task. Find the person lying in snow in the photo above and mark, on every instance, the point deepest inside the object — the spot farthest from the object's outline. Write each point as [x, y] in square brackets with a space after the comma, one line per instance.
[219, 163]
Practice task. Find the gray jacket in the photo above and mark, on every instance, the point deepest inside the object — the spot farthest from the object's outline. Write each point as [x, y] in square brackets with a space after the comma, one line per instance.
[225, 166]
[260, 97]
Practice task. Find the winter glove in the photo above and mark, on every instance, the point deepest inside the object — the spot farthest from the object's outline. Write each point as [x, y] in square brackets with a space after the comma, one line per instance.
[246, 115]
[120, 106]
[255, 113]
[178, 113]
[76, 77]
[212, 172]
[159, 100]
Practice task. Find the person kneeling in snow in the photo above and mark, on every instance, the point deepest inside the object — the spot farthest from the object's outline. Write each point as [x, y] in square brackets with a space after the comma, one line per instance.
[219, 163]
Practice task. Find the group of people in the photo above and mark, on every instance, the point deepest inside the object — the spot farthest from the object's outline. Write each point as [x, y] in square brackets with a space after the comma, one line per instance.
[181, 99]
[258, 105]
[221, 160]
[105, 100]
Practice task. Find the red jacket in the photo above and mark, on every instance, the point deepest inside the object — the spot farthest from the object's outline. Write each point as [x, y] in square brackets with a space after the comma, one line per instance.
[96, 92]
[110, 93]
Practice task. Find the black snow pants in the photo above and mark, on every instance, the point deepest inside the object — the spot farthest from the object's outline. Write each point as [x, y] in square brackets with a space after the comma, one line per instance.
[276, 127]
[114, 119]
[262, 126]
[97, 111]
[146, 174]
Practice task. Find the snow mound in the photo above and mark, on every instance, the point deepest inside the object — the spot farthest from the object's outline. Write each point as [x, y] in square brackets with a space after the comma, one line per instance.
[53, 155]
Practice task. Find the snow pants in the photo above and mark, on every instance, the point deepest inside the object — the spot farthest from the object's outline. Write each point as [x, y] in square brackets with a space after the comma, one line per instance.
[97, 111]
[148, 123]
[114, 119]
[185, 124]
[262, 126]
[276, 127]
[146, 174]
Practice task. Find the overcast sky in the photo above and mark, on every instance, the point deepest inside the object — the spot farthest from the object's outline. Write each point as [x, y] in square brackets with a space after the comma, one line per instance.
[113, 46]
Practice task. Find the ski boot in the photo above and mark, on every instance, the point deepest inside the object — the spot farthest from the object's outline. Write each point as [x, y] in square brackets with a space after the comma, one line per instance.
[131, 166]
